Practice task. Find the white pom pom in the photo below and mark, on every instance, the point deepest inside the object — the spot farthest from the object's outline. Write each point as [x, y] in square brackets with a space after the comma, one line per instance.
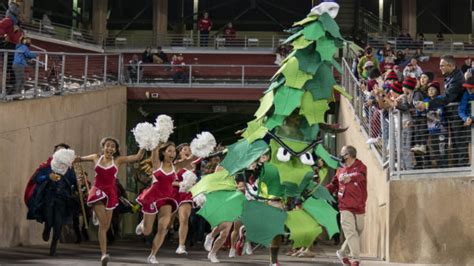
[146, 136]
[203, 144]
[189, 179]
[164, 125]
[62, 160]
[199, 200]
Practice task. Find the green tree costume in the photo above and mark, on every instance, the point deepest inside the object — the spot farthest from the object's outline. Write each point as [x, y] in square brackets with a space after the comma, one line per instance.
[286, 124]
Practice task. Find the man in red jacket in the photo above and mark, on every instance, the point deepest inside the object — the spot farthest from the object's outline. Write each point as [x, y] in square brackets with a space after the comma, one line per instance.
[205, 26]
[350, 184]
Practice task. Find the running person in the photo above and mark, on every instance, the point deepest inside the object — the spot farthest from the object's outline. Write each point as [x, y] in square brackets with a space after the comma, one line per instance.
[103, 194]
[158, 198]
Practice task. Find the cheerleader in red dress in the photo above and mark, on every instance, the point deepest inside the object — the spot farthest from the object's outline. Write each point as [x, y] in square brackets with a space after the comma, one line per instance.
[103, 195]
[186, 164]
[158, 198]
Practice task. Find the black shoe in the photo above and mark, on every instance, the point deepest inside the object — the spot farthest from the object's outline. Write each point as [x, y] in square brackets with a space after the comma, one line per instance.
[52, 248]
[46, 233]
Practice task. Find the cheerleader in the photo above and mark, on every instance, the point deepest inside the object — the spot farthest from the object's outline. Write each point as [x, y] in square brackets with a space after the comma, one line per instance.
[103, 194]
[185, 164]
[158, 198]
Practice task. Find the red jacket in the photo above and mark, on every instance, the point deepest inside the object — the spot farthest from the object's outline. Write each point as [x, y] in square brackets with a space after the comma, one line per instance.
[205, 24]
[353, 195]
[30, 186]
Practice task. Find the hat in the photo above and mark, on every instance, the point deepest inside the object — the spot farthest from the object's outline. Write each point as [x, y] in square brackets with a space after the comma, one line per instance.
[409, 83]
[396, 87]
[434, 84]
[368, 64]
[469, 83]
[429, 74]
[391, 75]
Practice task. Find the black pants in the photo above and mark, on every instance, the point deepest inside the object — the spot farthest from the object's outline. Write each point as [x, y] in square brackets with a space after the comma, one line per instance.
[204, 37]
[420, 137]
[55, 215]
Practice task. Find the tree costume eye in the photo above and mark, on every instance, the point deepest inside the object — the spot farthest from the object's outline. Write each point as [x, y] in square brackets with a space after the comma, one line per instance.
[283, 155]
[307, 159]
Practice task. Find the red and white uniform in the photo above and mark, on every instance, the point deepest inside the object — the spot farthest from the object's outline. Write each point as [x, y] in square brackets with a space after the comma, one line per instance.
[182, 197]
[104, 185]
[160, 192]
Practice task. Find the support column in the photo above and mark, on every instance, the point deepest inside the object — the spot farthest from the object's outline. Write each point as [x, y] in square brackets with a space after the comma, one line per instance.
[26, 9]
[160, 21]
[409, 17]
[99, 20]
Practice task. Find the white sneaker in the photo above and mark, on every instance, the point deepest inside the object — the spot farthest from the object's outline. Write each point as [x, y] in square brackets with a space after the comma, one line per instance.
[139, 228]
[152, 260]
[95, 221]
[248, 248]
[181, 250]
[208, 242]
[105, 259]
[212, 257]
[423, 149]
[232, 253]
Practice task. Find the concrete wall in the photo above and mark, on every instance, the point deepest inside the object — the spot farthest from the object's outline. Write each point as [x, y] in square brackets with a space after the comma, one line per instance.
[28, 132]
[432, 221]
[374, 239]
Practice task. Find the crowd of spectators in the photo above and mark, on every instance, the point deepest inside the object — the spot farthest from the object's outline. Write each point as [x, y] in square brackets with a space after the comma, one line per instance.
[434, 121]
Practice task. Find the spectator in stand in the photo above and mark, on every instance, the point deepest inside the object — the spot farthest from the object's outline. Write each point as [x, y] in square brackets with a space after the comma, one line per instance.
[20, 62]
[420, 56]
[179, 69]
[368, 66]
[369, 56]
[160, 57]
[437, 124]
[400, 59]
[453, 82]
[421, 37]
[147, 56]
[281, 54]
[10, 29]
[387, 64]
[46, 21]
[440, 37]
[355, 63]
[404, 104]
[412, 69]
[134, 69]
[379, 55]
[388, 50]
[419, 120]
[229, 33]
[467, 65]
[205, 26]
[464, 108]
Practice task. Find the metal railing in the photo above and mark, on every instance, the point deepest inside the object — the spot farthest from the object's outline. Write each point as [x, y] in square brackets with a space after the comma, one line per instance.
[138, 74]
[371, 22]
[195, 40]
[430, 142]
[60, 74]
[414, 144]
[448, 46]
